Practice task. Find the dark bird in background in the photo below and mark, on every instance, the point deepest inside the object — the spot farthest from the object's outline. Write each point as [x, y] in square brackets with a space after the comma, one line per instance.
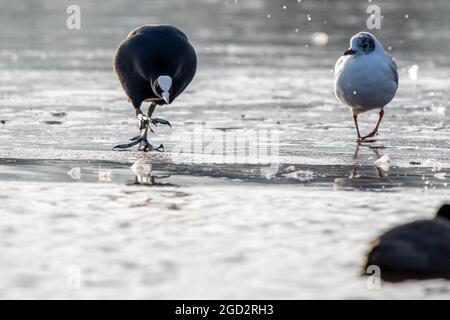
[417, 250]
[155, 63]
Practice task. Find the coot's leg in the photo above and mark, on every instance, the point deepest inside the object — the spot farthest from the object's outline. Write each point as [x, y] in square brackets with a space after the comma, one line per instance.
[144, 145]
[155, 121]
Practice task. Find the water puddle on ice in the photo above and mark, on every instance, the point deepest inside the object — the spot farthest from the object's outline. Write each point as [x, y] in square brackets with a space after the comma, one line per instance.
[343, 177]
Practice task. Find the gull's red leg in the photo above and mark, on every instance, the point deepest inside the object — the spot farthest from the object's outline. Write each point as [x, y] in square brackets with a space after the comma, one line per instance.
[381, 114]
[355, 119]
[375, 130]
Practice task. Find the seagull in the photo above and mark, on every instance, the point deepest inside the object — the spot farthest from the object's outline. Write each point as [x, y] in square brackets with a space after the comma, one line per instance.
[420, 249]
[155, 63]
[366, 78]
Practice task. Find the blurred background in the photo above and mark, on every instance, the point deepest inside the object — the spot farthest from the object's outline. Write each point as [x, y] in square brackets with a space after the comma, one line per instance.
[226, 32]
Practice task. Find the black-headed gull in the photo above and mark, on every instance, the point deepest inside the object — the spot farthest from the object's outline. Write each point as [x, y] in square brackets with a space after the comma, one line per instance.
[366, 78]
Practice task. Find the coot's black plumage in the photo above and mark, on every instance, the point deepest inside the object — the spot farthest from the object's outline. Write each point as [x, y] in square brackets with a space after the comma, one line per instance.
[420, 249]
[154, 63]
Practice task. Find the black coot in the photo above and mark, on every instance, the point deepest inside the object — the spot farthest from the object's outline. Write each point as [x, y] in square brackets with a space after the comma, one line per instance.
[154, 63]
[417, 250]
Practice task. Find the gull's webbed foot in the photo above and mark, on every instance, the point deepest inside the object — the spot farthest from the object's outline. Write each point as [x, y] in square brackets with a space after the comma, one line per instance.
[365, 140]
[374, 131]
[370, 135]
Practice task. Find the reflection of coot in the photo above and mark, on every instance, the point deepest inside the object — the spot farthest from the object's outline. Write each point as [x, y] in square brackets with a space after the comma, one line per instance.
[151, 181]
[420, 249]
[142, 169]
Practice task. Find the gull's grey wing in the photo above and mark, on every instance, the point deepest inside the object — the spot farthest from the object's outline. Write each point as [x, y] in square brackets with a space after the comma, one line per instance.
[393, 67]
[337, 66]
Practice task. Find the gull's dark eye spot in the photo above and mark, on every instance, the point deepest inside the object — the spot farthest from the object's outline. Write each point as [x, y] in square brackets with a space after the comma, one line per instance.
[366, 43]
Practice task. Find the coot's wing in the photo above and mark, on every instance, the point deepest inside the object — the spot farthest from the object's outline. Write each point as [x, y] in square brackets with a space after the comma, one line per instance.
[135, 86]
[420, 248]
[188, 69]
[149, 28]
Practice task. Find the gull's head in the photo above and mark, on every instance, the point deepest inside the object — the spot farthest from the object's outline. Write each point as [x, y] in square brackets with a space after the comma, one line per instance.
[363, 43]
[163, 88]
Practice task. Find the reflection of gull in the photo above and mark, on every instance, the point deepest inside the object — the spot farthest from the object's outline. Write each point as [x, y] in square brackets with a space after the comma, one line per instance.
[357, 180]
[420, 249]
[383, 162]
[365, 78]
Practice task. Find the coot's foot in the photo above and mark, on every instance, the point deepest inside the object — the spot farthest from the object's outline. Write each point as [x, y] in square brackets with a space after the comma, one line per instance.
[144, 145]
[147, 146]
[144, 126]
[155, 122]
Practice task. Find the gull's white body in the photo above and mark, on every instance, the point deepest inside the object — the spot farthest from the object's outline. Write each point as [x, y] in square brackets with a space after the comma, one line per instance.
[366, 81]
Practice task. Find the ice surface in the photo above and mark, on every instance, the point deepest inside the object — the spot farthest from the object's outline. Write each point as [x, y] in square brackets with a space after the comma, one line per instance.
[184, 225]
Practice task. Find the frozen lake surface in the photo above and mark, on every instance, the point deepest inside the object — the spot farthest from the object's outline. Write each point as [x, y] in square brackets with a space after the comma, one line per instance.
[181, 226]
